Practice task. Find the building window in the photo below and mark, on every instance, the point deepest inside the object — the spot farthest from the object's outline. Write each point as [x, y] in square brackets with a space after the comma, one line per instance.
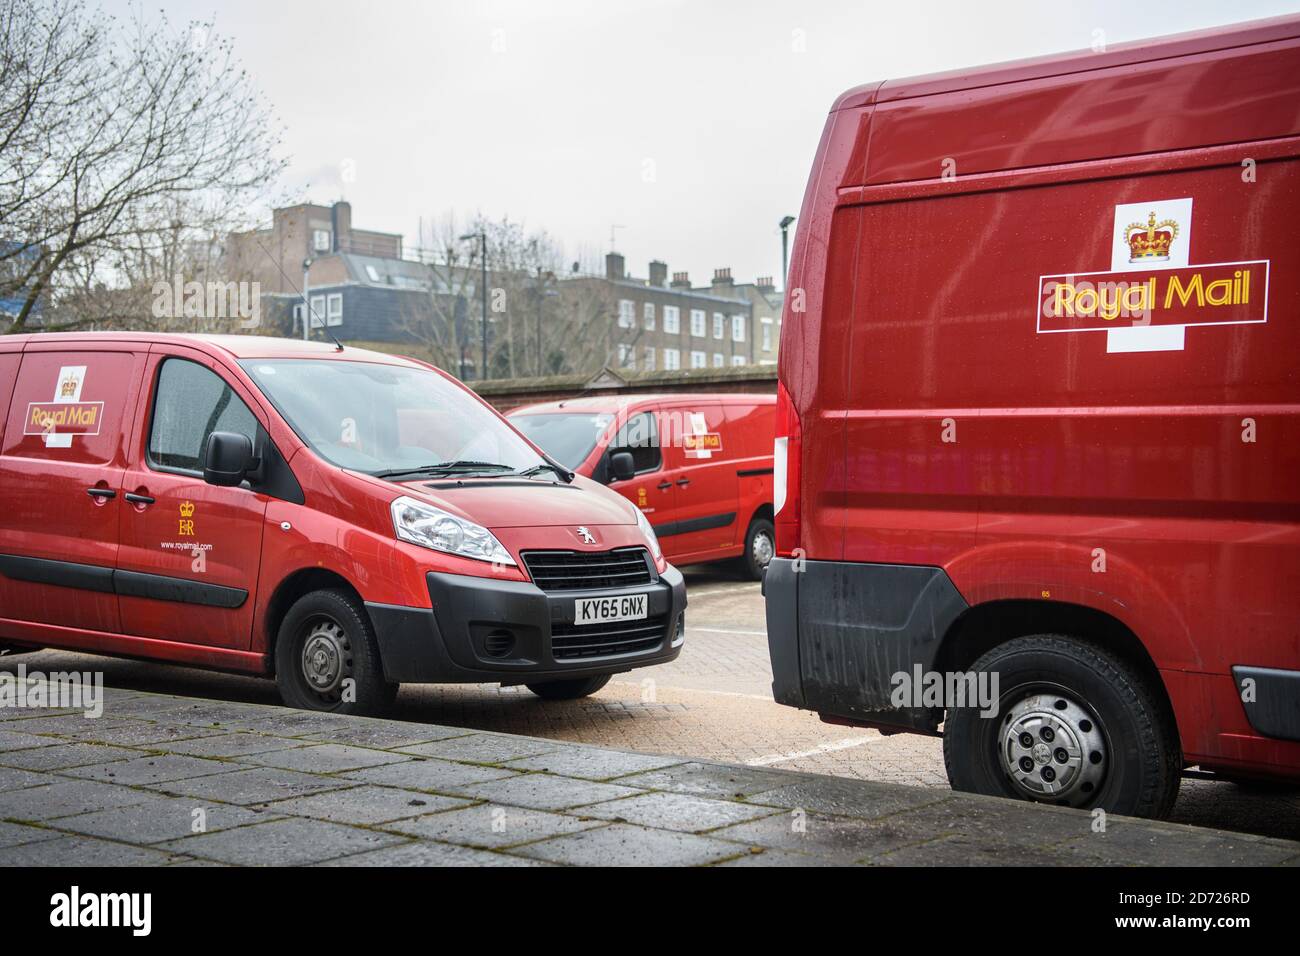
[699, 360]
[626, 355]
[672, 319]
[672, 360]
[738, 360]
[737, 328]
[649, 358]
[697, 323]
[719, 360]
[320, 240]
[719, 325]
[317, 311]
[334, 308]
[626, 314]
[649, 313]
[767, 335]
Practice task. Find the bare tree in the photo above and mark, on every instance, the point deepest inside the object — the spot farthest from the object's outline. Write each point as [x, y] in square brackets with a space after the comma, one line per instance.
[539, 323]
[123, 147]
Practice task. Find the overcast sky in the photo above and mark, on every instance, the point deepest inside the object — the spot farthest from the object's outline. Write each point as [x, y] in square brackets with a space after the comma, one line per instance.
[690, 125]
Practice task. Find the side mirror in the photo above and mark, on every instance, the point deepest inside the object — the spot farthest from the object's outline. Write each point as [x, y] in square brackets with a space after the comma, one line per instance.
[227, 458]
[622, 465]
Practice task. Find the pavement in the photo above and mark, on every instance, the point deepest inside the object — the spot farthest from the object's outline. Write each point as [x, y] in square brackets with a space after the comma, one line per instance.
[162, 779]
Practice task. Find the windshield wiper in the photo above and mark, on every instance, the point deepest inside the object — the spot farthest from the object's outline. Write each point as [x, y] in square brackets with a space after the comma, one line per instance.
[563, 473]
[444, 468]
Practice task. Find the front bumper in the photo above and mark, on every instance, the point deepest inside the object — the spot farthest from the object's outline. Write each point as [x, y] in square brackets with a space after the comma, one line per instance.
[512, 632]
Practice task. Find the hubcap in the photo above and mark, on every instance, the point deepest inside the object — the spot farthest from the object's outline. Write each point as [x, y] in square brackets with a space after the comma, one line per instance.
[1053, 749]
[324, 653]
[763, 549]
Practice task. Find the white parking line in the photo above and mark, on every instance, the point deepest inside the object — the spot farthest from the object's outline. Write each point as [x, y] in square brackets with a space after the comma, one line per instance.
[716, 591]
[829, 747]
[726, 630]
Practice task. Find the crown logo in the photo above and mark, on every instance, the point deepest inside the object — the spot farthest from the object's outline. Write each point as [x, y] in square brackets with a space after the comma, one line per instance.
[187, 509]
[68, 387]
[1150, 243]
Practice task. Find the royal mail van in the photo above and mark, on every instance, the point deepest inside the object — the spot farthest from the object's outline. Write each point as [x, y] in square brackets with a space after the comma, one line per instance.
[1039, 419]
[698, 466]
[341, 519]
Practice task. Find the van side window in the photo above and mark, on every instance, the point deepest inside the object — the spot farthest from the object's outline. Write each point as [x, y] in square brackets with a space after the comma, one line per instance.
[191, 403]
[639, 436]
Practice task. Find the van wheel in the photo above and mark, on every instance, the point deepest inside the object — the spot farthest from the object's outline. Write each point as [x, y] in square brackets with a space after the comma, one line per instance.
[760, 546]
[326, 657]
[1076, 726]
[570, 689]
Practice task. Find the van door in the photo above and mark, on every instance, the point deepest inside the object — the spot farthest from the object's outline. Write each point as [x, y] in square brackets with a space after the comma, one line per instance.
[61, 466]
[650, 490]
[701, 465]
[188, 565]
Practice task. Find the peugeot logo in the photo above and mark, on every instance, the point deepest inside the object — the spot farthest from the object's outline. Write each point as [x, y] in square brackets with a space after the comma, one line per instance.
[586, 536]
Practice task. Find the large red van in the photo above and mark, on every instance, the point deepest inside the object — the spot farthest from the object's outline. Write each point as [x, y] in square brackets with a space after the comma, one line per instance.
[1039, 419]
[699, 466]
[342, 519]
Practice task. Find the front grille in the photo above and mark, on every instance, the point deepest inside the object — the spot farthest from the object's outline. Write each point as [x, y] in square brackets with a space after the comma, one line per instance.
[581, 570]
[570, 641]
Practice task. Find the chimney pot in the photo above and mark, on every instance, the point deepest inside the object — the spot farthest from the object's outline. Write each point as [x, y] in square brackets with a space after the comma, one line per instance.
[614, 267]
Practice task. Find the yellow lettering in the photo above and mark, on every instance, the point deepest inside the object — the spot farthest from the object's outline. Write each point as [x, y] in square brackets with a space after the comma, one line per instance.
[1219, 293]
[186, 528]
[1185, 293]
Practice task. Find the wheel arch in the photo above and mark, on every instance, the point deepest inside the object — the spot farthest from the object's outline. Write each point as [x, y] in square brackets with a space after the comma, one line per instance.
[985, 626]
[295, 586]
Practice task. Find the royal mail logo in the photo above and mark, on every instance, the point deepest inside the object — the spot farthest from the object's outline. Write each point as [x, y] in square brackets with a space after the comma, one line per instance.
[63, 418]
[708, 441]
[1151, 294]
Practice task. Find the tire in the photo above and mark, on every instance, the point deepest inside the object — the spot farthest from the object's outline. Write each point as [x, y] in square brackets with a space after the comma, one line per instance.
[760, 546]
[569, 689]
[325, 639]
[1109, 709]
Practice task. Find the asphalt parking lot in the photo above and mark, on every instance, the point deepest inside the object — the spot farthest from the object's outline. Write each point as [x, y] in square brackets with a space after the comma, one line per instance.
[713, 702]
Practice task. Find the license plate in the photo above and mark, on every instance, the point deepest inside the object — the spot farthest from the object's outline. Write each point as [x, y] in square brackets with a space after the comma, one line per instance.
[626, 607]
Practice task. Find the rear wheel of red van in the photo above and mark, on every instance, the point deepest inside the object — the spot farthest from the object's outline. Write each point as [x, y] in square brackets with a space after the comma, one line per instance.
[326, 657]
[760, 546]
[1076, 726]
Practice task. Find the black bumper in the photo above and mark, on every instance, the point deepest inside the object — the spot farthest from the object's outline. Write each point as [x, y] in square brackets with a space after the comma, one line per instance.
[838, 632]
[1273, 702]
[483, 631]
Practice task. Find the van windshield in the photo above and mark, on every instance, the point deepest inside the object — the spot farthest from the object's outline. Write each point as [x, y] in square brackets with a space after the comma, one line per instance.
[568, 437]
[387, 419]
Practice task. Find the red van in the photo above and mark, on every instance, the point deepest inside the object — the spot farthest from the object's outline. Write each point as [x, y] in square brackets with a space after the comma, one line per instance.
[1039, 419]
[698, 466]
[342, 519]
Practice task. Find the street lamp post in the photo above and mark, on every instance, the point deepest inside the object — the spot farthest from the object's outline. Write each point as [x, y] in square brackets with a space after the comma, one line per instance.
[482, 238]
[306, 300]
[786, 223]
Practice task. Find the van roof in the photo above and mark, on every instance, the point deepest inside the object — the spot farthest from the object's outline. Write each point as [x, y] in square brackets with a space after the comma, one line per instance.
[617, 403]
[1058, 64]
[236, 346]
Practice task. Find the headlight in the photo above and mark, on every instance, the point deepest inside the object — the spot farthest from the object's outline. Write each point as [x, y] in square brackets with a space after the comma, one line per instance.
[651, 538]
[431, 527]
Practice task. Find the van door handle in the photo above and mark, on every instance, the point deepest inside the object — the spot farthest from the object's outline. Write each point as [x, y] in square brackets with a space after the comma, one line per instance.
[135, 499]
[664, 485]
[683, 482]
[101, 492]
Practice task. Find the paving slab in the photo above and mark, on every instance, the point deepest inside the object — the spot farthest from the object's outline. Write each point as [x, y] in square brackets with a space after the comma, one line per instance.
[623, 845]
[269, 785]
[365, 805]
[293, 841]
[493, 827]
[428, 773]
